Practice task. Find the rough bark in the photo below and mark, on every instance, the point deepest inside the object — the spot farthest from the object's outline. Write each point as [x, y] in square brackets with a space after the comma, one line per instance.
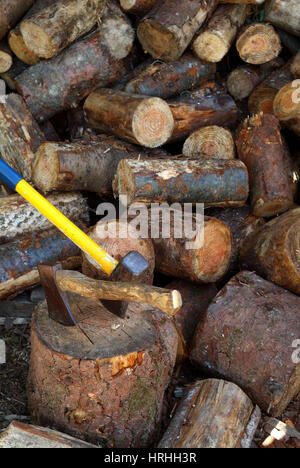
[292, 43]
[212, 182]
[118, 239]
[15, 38]
[146, 121]
[258, 43]
[169, 79]
[49, 31]
[284, 15]
[21, 257]
[137, 7]
[242, 224]
[113, 388]
[208, 105]
[169, 27]
[97, 60]
[210, 142]
[262, 98]
[247, 336]
[243, 80]
[20, 135]
[274, 251]
[216, 39]
[260, 147]
[286, 106]
[20, 436]
[6, 59]
[196, 299]
[295, 66]
[82, 165]
[10, 13]
[18, 217]
[212, 414]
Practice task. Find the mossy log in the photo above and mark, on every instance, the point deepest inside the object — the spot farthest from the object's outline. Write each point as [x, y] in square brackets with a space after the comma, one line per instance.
[274, 251]
[247, 336]
[212, 414]
[260, 147]
[107, 382]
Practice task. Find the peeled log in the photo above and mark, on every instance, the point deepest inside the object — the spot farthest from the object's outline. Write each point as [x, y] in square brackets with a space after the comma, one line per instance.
[216, 39]
[21, 257]
[274, 252]
[10, 13]
[167, 79]
[208, 105]
[19, 218]
[262, 98]
[95, 61]
[246, 336]
[260, 147]
[118, 239]
[286, 106]
[243, 80]
[137, 7]
[212, 414]
[258, 43]
[169, 27]
[138, 119]
[111, 388]
[212, 182]
[284, 14]
[89, 164]
[211, 143]
[242, 224]
[20, 135]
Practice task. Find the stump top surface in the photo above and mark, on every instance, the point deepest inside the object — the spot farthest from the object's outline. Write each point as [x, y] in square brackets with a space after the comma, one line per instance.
[111, 335]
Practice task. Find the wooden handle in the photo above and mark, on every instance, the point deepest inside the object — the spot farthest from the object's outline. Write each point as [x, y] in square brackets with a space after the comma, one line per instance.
[166, 300]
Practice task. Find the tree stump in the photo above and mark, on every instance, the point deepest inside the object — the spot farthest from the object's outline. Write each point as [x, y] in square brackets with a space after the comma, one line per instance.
[113, 388]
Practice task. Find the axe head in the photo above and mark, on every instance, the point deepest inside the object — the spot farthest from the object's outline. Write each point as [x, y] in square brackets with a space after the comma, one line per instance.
[59, 308]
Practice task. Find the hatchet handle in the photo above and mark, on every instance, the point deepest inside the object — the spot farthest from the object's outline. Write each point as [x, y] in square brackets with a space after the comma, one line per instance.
[168, 301]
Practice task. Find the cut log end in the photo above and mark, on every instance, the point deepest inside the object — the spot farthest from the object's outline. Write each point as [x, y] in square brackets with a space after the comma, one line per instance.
[6, 61]
[285, 105]
[45, 168]
[17, 45]
[210, 47]
[258, 44]
[157, 40]
[210, 142]
[38, 40]
[152, 123]
[239, 84]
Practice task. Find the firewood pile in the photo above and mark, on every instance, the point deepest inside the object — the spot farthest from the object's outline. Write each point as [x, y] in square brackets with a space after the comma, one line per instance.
[162, 102]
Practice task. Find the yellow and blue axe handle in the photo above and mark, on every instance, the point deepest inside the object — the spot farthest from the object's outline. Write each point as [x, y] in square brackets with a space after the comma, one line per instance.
[11, 178]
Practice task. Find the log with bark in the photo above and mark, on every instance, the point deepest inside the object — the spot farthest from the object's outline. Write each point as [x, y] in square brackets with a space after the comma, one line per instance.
[244, 79]
[167, 79]
[146, 121]
[15, 38]
[20, 259]
[295, 65]
[137, 7]
[212, 414]
[210, 142]
[19, 435]
[274, 251]
[208, 105]
[258, 43]
[48, 31]
[9, 77]
[167, 30]
[284, 15]
[20, 135]
[286, 106]
[213, 182]
[242, 224]
[292, 43]
[10, 13]
[260, 147]
[97, 60]
[247, 336]
[6, 59]
[105, 378]
[262, 98]
[49, 131]
[216, 39]
[196, 299]
[19, 218]
[89, 164]
[118, 238]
